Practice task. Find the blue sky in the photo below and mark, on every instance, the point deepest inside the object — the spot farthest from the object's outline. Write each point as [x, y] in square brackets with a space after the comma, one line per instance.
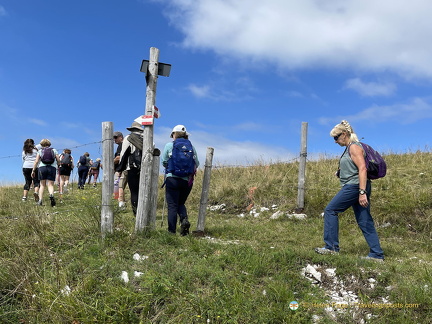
[245, 74]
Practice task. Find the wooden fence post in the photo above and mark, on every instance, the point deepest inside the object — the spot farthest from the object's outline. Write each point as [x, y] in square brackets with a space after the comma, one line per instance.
[107, 216]
[302, 169]
[205, 192]
[144, 197]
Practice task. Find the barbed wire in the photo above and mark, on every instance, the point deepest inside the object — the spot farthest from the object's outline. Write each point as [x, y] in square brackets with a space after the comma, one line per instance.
[70, 147]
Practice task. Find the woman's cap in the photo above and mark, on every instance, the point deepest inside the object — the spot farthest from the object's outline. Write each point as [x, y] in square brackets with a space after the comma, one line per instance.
[179, 128]
[135, 127]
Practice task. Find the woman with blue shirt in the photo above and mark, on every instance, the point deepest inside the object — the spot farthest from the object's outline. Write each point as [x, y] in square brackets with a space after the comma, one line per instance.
[178, 183]
[355, 193]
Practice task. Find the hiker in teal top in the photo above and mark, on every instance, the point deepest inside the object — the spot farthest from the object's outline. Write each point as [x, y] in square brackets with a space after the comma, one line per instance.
[355, 193]
[181, 161]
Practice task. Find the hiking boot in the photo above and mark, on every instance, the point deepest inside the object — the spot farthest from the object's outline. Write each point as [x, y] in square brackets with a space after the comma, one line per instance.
[39, 202]
[325, 251]
[24, 198]
[36, 196]
[372, 259]
[185, 225]
[53, 202]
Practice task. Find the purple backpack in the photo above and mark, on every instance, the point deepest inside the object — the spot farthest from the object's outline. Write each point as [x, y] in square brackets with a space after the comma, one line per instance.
[47, 156]
[375, 164]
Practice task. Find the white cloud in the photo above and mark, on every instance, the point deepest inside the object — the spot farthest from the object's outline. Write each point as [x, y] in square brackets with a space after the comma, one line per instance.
[2, 11]
[38, 122]
[227, 151]
[199, 91]
[370, 89]
[232, 90]
[295, 94]
[400, 113]
[8, 112]
[368, 35]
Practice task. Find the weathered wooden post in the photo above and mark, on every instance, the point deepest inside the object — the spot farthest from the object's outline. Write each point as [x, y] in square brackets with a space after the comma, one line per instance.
[302, 169]
[107, 216]
[204, 193]
[152, 68]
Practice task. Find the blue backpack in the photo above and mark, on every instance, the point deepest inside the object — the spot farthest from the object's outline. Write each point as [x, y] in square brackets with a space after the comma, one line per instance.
[181, 163]
[83, 160]
[375, 164]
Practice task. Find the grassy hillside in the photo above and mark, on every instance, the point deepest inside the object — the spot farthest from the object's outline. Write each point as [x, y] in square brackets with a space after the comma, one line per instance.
[55, 267]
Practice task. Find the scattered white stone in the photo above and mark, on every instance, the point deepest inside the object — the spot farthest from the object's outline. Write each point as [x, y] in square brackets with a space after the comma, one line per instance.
[66, 290]
[217, 207]
[138, 257]
[254, 212]
[138, 274]
[312, 274]
[277, 214]
[385, 225]
[297, 216]
[125, 276]
[273, 207]
[263, 209]
[322, 214]
[385, 300]
[331, 272]
[241, 215]
[264, 292]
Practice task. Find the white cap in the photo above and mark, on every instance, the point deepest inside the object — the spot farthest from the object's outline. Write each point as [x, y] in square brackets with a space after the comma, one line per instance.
[179, 128]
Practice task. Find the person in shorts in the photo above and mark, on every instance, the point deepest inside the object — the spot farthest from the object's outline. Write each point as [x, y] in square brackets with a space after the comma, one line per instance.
[47, 171]
[119, 176]
[94, 171]
[126, 164]
[65, 170]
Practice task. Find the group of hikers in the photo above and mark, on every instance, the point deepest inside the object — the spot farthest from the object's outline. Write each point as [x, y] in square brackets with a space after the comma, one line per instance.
[43, 167]
[180, 160]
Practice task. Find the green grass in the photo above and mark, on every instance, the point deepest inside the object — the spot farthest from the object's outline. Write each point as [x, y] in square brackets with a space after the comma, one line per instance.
[247, 270]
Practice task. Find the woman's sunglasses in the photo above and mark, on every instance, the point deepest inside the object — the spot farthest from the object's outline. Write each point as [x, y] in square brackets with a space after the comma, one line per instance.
[337, 136]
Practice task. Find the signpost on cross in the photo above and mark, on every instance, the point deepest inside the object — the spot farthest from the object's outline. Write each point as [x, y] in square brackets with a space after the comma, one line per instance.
[146, 197]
